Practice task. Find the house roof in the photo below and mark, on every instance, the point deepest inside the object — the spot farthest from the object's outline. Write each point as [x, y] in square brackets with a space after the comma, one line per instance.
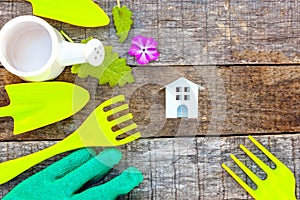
[182, 79]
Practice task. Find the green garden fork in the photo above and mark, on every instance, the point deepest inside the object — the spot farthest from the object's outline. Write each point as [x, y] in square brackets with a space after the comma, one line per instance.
[96, 130]
[279, 184]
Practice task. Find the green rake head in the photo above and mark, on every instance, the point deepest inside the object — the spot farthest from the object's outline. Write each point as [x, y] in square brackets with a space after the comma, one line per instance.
[279, 184]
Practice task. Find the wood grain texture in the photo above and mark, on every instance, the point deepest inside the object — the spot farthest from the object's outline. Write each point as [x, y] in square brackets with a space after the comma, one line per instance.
[180, 168]
[198, 32]
[237, 100]
[224, 45]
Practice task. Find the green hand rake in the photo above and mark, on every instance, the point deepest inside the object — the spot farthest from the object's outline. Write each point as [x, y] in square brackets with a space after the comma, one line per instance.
[279, 184]
[95, 131]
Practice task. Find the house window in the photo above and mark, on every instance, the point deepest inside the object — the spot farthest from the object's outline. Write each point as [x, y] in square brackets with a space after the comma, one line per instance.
[178, 89]
[178, 97]
[186, 89]
[186, 97]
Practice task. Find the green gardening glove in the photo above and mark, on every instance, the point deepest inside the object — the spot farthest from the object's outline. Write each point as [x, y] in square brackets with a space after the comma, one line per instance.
[63, 179]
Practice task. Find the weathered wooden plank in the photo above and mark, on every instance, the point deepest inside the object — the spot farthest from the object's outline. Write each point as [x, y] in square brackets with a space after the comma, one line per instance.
[237, 100]
[198, 32]
[180, 168]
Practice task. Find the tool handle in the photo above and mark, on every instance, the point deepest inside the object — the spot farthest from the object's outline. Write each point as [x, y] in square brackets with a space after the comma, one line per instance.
[12, 168]
[5, 111]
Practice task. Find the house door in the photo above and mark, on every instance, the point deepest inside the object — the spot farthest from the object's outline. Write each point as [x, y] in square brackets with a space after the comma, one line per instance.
[182, 111]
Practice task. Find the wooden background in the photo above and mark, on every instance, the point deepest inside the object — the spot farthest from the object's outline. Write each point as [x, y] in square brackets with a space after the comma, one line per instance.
[244, 52]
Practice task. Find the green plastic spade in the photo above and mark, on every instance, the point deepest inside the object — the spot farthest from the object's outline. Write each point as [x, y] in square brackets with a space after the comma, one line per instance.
[84, 13]
[34, 105]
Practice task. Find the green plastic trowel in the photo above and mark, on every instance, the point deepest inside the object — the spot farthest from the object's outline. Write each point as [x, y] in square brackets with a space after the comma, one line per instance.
[34, 105]
[85, 13]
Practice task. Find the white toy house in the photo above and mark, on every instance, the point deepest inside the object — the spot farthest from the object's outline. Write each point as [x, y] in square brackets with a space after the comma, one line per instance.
[182, 99]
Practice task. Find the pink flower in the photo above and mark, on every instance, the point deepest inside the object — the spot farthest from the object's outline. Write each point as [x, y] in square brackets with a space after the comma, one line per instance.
[144, 49]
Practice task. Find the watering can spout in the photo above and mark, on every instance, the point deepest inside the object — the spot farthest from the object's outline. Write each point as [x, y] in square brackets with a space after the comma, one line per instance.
[76, 53]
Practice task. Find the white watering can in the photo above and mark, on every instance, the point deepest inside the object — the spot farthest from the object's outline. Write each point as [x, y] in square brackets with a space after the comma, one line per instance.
[35, 51]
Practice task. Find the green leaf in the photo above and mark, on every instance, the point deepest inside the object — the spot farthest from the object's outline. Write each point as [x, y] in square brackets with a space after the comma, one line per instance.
[122, 21]
[113, 70]
[86, 40]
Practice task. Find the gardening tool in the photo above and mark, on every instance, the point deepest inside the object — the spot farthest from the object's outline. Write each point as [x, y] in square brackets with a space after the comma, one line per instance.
[34, 105]
[35, 51]
[64, 178]
[96, 130]
[279, 184]
[84, 13]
